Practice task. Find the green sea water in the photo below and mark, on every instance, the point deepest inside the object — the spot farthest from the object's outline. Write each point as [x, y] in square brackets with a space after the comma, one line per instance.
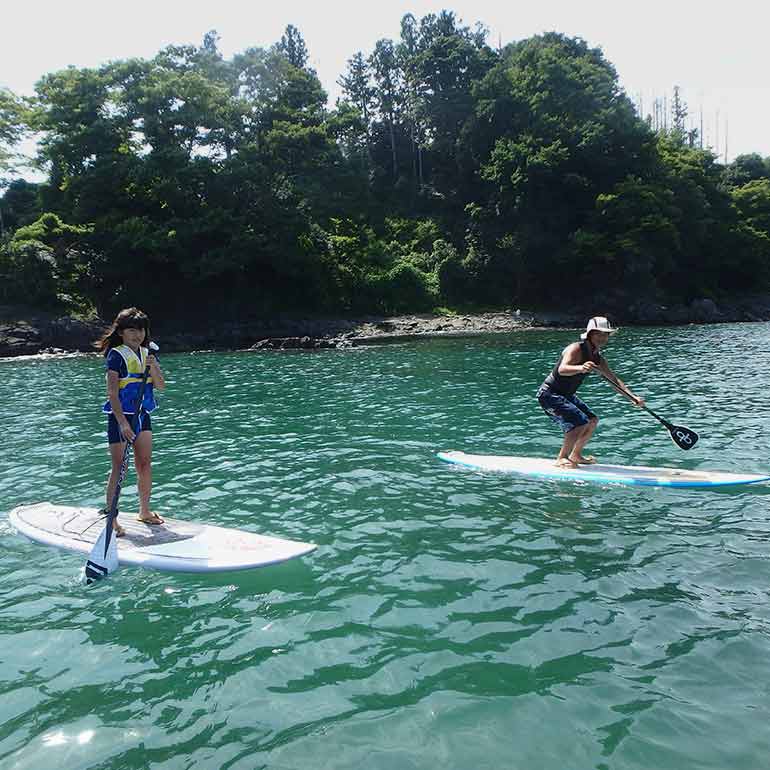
[448, 618]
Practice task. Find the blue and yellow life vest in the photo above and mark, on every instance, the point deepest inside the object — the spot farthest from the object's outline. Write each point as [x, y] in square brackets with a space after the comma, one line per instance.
[130, 385]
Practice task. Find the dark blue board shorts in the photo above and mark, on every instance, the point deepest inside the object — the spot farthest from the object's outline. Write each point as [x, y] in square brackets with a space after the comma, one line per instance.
[114, 436]
[568, 412]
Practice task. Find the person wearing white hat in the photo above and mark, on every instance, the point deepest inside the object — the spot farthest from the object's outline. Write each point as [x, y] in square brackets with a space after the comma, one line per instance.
[557, 393]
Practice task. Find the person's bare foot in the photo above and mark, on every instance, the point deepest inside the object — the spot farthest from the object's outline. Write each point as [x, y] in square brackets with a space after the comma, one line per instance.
[565, 462]
[116, 528]
[153, 518]
[587, 460]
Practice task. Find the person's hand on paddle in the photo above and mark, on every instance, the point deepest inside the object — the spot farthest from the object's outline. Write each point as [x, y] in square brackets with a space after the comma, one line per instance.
[154, 366]
[126, 432]
[638, 401]
[588, 367]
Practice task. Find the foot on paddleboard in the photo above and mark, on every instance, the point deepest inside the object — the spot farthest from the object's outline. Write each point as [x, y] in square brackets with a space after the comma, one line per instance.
[153, 518]
[587, 460]
[565, 462]
[116, 528]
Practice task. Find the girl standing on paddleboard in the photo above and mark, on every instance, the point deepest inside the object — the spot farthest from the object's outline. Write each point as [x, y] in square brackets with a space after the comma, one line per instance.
[126, 357]
[557, 393]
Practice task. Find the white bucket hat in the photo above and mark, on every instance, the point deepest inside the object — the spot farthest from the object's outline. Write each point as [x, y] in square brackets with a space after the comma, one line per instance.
[598, 323]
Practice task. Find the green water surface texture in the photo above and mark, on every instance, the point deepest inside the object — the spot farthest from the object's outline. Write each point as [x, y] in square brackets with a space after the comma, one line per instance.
[449, 618]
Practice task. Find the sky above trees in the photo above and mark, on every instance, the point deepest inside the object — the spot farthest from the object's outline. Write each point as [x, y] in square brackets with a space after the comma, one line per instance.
[715, 52]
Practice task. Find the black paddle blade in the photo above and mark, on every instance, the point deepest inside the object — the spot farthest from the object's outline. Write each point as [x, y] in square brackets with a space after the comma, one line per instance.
[95, 571]
[684, 438]
[103, 559]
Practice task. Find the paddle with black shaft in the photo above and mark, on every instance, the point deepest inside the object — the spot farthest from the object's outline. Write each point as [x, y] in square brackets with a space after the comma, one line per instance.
[104, 555]
[684, 438]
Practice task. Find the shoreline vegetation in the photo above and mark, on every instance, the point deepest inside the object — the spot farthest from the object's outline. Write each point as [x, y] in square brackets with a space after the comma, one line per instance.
[450, 174]
[29, 331]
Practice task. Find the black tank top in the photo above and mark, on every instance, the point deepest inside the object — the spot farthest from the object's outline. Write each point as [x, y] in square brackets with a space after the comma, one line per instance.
[566, 385]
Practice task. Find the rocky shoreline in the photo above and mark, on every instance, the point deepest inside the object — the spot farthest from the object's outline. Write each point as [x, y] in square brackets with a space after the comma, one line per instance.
[31, 332]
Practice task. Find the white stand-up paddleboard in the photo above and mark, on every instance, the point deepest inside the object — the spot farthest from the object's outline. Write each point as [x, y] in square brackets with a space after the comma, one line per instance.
[175, 546]
[633, 475]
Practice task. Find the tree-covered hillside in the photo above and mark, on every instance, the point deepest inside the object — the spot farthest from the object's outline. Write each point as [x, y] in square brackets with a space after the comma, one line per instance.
[449, 173]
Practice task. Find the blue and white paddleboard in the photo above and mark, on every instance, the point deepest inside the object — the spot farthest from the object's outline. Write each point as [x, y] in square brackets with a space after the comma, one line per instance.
[632, 475]
[175, 546]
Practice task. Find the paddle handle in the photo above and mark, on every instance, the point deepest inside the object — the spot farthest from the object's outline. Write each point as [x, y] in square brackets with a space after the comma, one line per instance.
[620, 389]
[623, 392]
[684, 438]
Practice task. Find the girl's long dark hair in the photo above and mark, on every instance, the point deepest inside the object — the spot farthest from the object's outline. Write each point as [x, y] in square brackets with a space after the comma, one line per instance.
[128, 318]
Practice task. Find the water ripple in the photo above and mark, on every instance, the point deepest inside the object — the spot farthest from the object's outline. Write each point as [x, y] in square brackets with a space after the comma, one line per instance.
[449, 618]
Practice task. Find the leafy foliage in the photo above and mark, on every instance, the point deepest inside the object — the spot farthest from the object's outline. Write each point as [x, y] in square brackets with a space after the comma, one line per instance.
[448, 173]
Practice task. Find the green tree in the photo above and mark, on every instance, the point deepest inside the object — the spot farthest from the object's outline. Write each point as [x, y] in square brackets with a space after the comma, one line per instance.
[632, 239]
[451, 59]
[274, 89]
[20, 205]
[27, 272]
[752, 204]
[387, 76]
[293, 47]
[12, 128]
[553, 130]
[359, 93]
[746, 168]
[679, 114]
[407, 51]
[705, 220]
[54, 255]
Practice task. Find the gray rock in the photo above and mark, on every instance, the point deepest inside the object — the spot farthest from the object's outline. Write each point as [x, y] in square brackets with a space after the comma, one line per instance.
[704, 311]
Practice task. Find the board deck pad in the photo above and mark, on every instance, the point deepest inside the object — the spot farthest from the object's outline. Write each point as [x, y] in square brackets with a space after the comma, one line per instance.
[632, 475]
[175, 546]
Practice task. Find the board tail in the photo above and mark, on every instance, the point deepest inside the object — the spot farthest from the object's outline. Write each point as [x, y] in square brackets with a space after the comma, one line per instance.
[103, 558]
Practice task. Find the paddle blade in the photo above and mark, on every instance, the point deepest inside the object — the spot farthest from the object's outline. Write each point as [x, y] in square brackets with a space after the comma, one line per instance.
[104, 556]
[684, 438]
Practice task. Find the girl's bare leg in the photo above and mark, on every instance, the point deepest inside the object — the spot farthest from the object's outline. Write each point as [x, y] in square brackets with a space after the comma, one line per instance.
[116, 458]
[143, 465]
